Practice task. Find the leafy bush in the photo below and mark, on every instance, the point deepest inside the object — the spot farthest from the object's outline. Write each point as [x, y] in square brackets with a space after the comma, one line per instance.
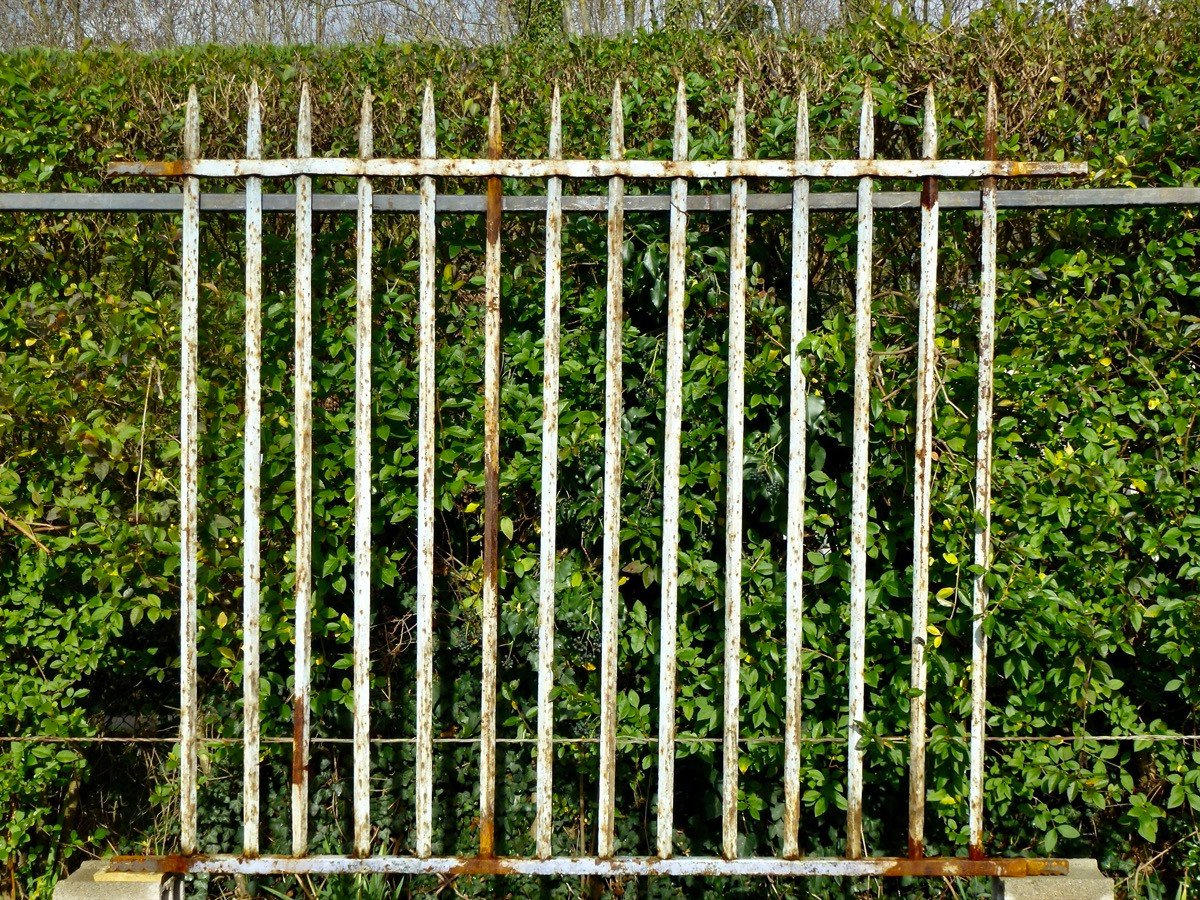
[1098, 385]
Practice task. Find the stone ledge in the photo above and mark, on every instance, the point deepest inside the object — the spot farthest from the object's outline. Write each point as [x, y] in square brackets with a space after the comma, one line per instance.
[93, 881]
[1083, 881]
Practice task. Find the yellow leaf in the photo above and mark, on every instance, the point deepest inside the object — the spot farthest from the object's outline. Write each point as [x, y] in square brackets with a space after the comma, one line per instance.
[222, 620]
[1105, 361]
[951, 558]
[1152, 403]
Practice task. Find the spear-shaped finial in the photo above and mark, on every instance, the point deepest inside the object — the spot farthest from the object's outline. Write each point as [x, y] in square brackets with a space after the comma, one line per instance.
[304, 124]
[616, 134]
[555, 150]
[866, 125]
[254, 124]
[803, 150]
[929, 141]
[428, 123]
[366, 128]
[990, 139]
[191, 126]
[739, 123]
[494, 123]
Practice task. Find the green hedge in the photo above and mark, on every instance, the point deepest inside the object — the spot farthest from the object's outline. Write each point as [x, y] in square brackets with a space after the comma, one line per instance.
[1096, 521]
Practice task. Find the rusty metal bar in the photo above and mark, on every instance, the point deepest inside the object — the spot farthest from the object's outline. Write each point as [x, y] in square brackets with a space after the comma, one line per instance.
[734, 451]
[678, 867]
[922, 486]
[545, 712]
[251, 490]
[188, 488]
[362, 496]
[797, 459]
[861, 428]
[303, 439]
[491, 497]
[495, 167]
[426, 449]
[833, 201]
[612, 488]
[672, 429]
[983, 484]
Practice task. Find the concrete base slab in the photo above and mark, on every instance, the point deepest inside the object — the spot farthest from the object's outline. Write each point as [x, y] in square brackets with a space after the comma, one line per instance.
[1083, 881]
[93, 881]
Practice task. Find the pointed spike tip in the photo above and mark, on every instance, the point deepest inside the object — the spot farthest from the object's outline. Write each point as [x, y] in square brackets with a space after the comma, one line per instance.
[991, 125]
[930, 138]
[616, 133]
[802, 136]
[428, 123]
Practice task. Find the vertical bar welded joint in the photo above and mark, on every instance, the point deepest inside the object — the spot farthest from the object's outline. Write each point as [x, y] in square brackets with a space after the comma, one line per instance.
[983, 483]
[251, 490]
[549, 521]
[922, 485]
[189, 460]
[612, 488]
[735, 426]
[797, 458]
[304, 514]
[860, 431]
[362, 494]
[672, 428]
[426, 450]
[491, 496]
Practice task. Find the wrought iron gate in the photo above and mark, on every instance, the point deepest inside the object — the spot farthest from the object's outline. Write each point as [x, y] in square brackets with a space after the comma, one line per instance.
[615, 169]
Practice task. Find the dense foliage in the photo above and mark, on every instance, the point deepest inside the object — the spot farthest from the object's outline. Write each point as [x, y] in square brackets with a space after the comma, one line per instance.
[1097, 488]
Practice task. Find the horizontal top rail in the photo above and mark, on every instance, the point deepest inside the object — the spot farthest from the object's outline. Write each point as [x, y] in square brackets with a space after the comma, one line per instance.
[834, 201]
[597, 168]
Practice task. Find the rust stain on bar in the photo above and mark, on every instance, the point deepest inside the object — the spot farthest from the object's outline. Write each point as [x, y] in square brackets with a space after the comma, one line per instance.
[491, 502]
[983, 484]
[610, 601]
[303, 516]
[426, 450]
[189, 497]
[251, 493]
[922, 486]
[797, 458]
[549, 519]
[734, 475]
[672, 429]
[598, 169]
[861, 429]
[611, 867]
[362, 493]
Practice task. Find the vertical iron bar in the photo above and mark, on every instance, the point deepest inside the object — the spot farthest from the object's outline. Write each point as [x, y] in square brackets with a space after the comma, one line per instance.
[251, 493]
[426, 415]
[545, 714]
[304, 524]
[189, 460]
[922, 486]
[735, 426]
[362, 496]
[983, 482]
[860, 461]
[612, 488]
[491, 496]
[797, 459]
[676, 296]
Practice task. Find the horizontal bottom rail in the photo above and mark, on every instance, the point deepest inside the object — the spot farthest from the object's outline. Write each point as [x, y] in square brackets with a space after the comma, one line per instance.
[588, 865]
[167, 202]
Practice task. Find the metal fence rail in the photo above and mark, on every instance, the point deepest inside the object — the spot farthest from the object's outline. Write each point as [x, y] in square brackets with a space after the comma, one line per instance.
[796, 174]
